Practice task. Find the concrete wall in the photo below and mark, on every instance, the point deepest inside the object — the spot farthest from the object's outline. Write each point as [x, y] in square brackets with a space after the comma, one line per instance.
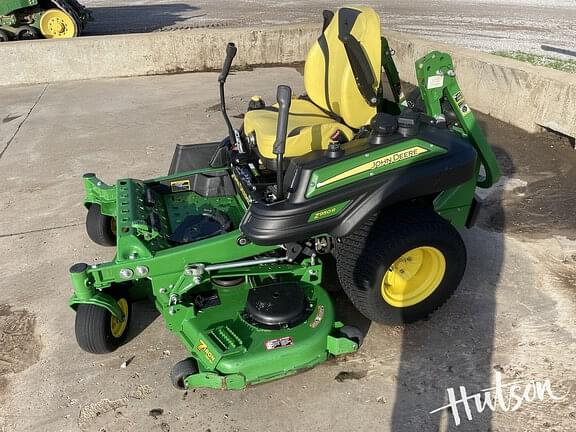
[526, 96]
[194, 50]
[518, 93]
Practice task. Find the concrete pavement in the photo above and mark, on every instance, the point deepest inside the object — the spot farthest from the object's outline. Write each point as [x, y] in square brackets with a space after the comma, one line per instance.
[513, 314]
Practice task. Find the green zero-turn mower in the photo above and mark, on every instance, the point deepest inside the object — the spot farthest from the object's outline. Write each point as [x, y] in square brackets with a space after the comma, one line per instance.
[33, 19]
[230, 244]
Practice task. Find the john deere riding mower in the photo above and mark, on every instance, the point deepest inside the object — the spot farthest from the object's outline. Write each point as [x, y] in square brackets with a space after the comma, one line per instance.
[33, 19]
[231, 248]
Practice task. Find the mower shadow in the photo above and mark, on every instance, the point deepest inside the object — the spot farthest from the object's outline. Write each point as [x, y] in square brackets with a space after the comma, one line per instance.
[454, 347]
[138, 18]
[345, 310]
[143, 314]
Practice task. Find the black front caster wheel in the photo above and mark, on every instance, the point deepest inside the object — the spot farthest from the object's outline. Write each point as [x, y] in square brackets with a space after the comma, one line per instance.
[100, 228]
[98, 331]
[181, 371]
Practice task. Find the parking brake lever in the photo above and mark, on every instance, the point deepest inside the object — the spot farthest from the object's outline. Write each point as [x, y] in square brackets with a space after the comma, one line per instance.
[284, 99]
[234, 136]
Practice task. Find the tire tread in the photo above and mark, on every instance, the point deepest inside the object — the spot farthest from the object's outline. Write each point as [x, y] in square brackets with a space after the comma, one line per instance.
[98, 227]
[91, 324]
[389, 231]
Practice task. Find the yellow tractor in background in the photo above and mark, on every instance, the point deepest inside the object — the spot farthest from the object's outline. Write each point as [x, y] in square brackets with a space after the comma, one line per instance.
[34, 19]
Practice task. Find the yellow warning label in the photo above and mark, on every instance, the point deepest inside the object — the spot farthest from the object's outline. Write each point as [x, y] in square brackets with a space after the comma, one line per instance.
[202, 347]
[180, 185]
[245, 195]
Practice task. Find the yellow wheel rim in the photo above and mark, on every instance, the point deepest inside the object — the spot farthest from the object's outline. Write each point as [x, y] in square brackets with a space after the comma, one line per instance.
[55, 23]
[413, 277]
[118, 327]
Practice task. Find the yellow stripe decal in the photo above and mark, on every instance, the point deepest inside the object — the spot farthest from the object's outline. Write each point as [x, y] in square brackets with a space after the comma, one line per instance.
[375, 164]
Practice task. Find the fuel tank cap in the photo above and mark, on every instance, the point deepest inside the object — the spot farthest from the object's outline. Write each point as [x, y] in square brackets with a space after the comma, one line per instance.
[383, 125]
[408, 123]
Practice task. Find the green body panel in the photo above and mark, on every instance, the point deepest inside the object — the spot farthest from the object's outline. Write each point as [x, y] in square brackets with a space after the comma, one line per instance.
[99, 192]
[99, 299]
[15, 13]
[215, 381]
[393, 80]
[454, 204]
[369, 164]
[437, 81]
[86, 293]
[168, 264]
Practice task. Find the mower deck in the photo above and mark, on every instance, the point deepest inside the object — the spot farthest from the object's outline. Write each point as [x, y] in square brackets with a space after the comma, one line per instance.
[207, 305]
[234, 349]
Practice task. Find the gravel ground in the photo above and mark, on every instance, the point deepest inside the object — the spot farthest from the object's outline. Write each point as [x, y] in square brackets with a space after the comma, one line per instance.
[489, 25]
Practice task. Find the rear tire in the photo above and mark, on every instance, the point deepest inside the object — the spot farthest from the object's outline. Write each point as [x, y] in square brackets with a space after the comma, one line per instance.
[181, 371]
[100, 228]
[97, 331]
[375, 264]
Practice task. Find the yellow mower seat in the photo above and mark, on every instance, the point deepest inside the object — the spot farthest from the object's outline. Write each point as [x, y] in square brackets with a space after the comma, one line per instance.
[309, 128]
[331, 84]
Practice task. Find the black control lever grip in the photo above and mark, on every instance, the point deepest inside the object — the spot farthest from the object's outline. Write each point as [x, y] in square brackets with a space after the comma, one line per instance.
[230, 54]
[284, 98]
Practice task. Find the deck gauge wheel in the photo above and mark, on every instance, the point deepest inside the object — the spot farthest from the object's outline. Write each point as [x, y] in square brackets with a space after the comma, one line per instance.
[181, 371]
[100, 228]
